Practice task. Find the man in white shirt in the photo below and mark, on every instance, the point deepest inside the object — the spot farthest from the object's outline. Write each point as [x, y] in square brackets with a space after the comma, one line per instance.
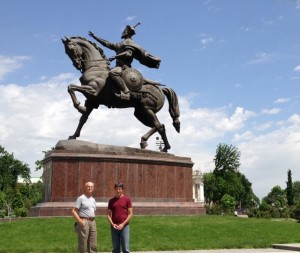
[84, 213]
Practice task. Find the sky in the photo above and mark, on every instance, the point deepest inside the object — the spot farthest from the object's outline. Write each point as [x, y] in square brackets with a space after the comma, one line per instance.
[235, 66]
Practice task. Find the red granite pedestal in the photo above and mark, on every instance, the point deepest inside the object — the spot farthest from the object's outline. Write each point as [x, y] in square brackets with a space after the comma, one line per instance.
[158, 183]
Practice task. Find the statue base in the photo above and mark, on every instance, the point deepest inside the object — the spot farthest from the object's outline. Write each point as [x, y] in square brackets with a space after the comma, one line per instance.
[158, 183]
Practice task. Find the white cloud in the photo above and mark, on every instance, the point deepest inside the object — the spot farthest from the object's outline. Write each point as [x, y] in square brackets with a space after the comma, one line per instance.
[35, 117]
[297, 68]
[267, 158]
[205, 40]
[281, 100]
[271, 111]
[9, 64]
[246, 28]
[264, 126]
[294, 119]
[236, 121]
[267, 22]
[261, 58]
[248, 135]
[130, 18]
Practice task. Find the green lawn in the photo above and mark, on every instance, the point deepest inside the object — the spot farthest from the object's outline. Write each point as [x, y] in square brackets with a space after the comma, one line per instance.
[150, 233]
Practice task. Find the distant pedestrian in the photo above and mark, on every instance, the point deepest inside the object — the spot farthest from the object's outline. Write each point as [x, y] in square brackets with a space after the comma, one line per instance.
[119, 213]
[84, 213]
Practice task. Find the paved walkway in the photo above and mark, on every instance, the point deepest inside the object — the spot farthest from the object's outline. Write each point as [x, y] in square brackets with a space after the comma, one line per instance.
[277, 248]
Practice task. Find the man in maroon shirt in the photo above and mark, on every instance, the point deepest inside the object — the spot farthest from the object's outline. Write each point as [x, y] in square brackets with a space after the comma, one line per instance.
[119, 213]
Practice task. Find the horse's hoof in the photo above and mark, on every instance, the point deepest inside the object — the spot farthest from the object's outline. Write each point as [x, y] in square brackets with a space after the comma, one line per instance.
[176, 124]
[72, 137]
[165, 149]
[143, 144]
[81, 109]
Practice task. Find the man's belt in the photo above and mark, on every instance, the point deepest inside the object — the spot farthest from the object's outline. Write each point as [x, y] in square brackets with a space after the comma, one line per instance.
[87, 218]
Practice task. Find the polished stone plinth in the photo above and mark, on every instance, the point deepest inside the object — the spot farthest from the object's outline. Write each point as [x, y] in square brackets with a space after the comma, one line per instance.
[158, 183]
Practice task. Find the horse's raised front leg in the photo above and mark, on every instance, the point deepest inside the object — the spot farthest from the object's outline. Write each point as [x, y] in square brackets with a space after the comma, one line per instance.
[82, 121]
[84, 89]
[76, 103]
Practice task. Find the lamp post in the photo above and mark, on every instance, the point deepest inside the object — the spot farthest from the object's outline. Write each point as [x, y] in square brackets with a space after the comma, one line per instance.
[159, 143]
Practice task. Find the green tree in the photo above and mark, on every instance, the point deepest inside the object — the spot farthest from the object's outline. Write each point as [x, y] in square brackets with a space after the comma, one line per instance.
[276, 198]
[227, 159]
[296, 190]
[31, 193]
[227, 180]
[210, 188]
[247, 198]
[295, 212]
[14, 196]
[230, 184]
[289, 189]
[39, 163]
[10, 170]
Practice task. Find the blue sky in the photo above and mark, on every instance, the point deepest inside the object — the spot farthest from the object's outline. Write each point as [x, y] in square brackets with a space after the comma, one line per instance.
[235, 66]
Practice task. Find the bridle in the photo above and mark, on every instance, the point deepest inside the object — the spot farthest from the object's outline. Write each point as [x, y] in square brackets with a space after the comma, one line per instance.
[77, 53]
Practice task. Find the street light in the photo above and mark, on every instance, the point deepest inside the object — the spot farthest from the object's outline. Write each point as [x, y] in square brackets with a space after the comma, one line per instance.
[159, 143]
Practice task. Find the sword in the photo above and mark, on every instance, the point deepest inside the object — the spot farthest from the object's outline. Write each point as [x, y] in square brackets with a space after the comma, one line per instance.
[137, 25]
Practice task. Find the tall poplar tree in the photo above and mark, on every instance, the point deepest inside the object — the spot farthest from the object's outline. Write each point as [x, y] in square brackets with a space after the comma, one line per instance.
[289, 189]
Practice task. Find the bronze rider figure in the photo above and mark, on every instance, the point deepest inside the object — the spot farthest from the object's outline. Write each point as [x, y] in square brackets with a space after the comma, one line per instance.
[126, 51]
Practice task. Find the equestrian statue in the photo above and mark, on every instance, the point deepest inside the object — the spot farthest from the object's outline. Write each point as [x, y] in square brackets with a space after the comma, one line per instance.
[121, 86]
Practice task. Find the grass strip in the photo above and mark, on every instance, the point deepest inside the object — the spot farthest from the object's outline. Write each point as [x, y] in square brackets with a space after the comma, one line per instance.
[150, 233]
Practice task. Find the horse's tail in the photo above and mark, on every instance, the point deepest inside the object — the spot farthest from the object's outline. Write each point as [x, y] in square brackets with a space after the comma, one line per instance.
[173, 107]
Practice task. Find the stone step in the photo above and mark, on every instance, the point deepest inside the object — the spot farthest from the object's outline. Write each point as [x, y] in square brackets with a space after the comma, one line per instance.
[289, 246]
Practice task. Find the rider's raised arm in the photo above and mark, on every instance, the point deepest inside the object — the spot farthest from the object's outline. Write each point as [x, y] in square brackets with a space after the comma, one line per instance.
[103, 42]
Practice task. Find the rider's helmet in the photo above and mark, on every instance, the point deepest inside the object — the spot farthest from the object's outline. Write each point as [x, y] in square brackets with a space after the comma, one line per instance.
[129, 30]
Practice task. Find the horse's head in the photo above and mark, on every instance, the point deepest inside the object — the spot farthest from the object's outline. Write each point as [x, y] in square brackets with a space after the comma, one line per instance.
[84, 53]
[74, 51]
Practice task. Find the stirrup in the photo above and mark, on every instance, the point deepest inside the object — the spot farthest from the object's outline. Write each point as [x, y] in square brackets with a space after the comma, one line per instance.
[123, 96]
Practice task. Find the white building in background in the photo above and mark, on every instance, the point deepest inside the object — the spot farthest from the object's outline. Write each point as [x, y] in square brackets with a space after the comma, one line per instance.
[33, 180]
[198, 186]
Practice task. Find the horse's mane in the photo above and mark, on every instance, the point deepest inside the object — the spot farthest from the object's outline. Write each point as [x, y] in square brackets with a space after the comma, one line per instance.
[99, 49]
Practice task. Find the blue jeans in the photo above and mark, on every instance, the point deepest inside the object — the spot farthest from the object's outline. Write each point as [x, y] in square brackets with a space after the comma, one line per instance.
[120, 237]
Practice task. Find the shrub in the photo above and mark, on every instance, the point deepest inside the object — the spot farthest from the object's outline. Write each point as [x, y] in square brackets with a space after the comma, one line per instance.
[2, 213]
[21, 212]
[296, 213]
[214, 209]
[228, 203]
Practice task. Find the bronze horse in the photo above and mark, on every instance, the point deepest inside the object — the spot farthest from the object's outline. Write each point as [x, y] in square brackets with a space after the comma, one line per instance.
[98, 89]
